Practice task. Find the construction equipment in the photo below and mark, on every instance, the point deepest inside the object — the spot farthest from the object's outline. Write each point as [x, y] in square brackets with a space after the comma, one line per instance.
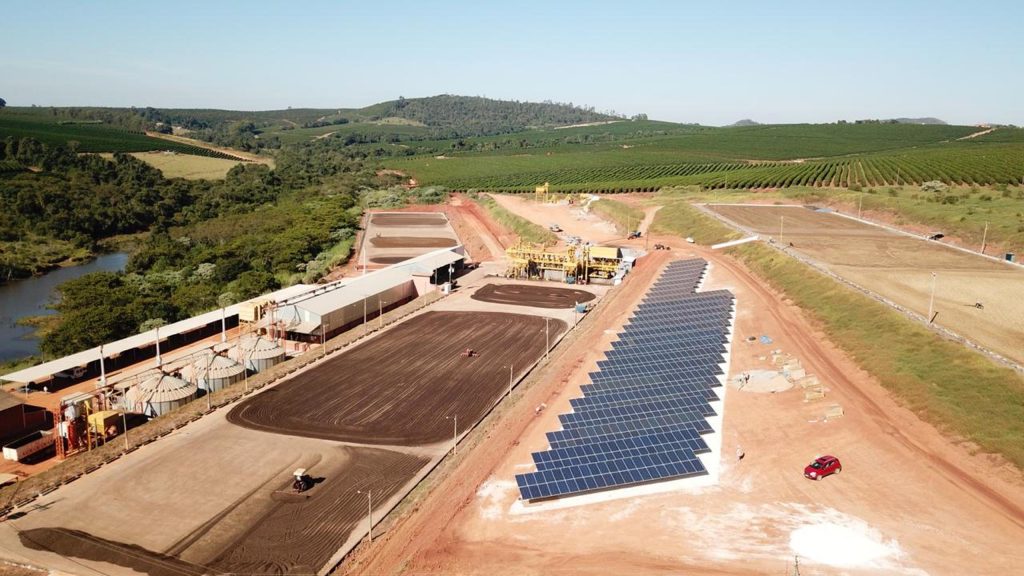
[577, 262]
[468, 353]
[302, 481]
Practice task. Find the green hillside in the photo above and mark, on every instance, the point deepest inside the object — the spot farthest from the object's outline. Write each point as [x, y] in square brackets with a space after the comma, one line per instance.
[645, 155]
[90, 136]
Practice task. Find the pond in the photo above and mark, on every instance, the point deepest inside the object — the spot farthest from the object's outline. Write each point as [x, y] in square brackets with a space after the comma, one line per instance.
[31, 296]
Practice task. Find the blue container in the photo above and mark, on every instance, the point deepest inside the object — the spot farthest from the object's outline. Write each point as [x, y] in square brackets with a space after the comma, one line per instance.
[581, 308]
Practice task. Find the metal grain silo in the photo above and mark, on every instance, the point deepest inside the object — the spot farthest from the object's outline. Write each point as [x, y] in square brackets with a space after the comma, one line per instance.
[257, 352]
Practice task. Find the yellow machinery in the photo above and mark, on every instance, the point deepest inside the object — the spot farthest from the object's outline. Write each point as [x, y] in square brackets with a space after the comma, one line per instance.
[540, 193]
[574, 263]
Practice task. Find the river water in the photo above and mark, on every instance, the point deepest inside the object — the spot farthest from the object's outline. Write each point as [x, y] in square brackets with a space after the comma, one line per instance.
[30, 297]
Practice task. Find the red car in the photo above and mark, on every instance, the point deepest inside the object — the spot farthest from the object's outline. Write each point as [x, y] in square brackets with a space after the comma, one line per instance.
[822, 467]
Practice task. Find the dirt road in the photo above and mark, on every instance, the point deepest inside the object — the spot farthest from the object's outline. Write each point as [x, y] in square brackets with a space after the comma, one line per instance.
[909, 501]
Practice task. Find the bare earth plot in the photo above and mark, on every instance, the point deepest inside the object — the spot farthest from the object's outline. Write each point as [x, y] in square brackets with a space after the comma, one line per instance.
[900, 268]
[214, 496]
[393, 237]
[400, 389]
[907, 502]
[539, 295]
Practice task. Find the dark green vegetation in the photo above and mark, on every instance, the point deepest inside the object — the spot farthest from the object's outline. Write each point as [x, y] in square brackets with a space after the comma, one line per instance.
[645, 155]
[86, 136]
[207, 242]
[382, 125]
[958, 390]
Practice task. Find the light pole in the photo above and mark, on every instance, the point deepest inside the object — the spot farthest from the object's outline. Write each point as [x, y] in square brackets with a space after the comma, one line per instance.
[323, 336]
[547, 337]
[158, 362]
[380, 314]
[931, 301]
[209, 392]
[103, 369]
[364, 314]
[223, 324]
[124, 418]
[455, 433]
[369, 513]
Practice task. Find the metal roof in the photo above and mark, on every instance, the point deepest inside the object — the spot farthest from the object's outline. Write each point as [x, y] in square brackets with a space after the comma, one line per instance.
[46, 370]
[325, 299]
[161, 388]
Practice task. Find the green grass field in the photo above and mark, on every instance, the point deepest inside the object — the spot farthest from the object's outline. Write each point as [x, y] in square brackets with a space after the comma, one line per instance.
[91, 137]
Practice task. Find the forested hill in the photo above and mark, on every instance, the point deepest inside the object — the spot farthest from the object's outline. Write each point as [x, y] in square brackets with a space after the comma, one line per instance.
[473, 115]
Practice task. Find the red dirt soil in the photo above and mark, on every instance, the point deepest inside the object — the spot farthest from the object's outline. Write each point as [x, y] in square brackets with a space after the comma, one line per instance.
[415, 541]
[538, 296]
[399, 390]
[945, 494]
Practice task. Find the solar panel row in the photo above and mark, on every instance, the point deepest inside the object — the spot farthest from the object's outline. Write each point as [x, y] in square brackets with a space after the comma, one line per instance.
[642, 415]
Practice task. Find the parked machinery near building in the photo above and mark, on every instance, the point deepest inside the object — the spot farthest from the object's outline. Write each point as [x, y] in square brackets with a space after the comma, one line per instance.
[576, 263]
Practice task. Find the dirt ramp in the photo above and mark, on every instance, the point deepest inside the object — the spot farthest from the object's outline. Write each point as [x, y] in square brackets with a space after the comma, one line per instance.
[538, 296]
[400, 389]
[301, 532]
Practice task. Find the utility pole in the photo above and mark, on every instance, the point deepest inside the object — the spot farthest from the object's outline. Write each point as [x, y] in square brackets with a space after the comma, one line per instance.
[124, 418]
[510, 380]
[380, 314]
[103, 369]
[984, 238]
[158, 362]
[860, 204]
[223, 325]
[931, 301]
[455, 433]
[209, 392]
[547, 337]
[323, 337]
[782, 220]
[369, 513]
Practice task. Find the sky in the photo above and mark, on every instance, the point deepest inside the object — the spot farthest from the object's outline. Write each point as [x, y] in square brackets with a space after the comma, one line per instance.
[686, 61]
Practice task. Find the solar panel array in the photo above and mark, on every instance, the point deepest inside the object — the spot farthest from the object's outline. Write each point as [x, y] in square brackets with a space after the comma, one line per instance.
[643, 414]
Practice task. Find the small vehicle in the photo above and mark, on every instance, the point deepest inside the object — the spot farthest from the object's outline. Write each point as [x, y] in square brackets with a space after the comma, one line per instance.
[823, 466]
[634, 234]
[302, 481]
[555, 228]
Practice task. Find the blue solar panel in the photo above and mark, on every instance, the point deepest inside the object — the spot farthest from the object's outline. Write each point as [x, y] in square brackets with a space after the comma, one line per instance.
[642, 415]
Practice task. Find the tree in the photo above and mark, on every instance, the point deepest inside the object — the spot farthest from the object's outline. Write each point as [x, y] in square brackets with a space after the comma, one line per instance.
[3, 102]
